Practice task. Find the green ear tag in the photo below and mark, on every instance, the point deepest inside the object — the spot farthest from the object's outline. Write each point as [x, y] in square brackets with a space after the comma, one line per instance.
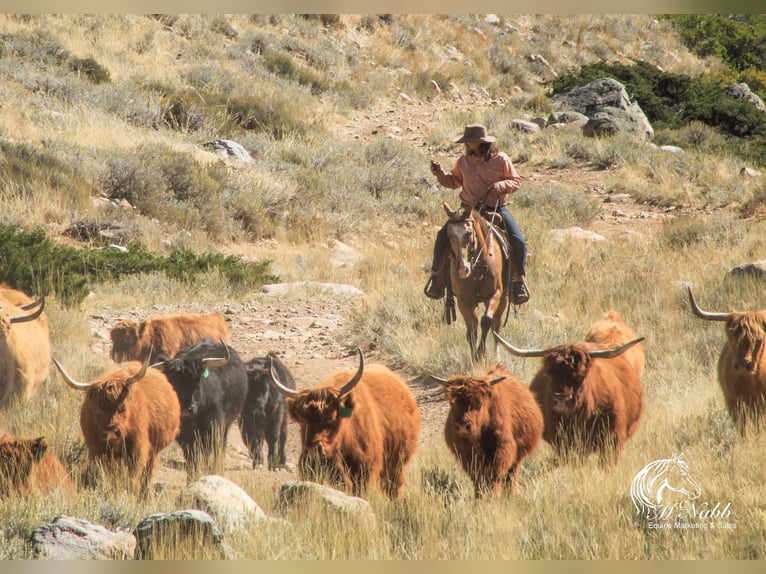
[206, 373]
[344, 412]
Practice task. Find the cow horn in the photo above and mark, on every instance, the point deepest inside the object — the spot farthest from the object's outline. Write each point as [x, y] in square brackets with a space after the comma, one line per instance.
[437, 379]
[218, 361]
[497, 380]
[345, 389]
[704, 314]
[617, 351]
[32, 316]
[140, 374]
[518, 352]
[33, 304]
[275, 382]
[69, 380]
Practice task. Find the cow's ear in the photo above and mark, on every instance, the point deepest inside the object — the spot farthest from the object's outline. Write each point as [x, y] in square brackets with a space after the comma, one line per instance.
[39, 448]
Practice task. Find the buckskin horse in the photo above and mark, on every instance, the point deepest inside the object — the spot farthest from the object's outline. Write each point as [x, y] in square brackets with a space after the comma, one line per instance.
[476, 274]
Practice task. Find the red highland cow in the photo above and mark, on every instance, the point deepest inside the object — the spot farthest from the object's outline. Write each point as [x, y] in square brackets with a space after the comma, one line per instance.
[493, 424]
[25, 354]
[356, 428]
[128, 417]
[29, 465]
[590, 395]
[741, 365]
[166, 335]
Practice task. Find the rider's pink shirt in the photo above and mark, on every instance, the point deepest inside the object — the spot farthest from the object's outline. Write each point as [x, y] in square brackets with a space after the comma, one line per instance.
[475, 176]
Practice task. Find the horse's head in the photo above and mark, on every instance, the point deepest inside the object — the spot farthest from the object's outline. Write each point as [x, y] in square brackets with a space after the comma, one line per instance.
[462, 238]
[664, 485]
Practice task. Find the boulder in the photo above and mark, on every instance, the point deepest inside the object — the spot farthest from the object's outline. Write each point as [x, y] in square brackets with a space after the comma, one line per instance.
[68, 538]
[756, 269]
[225, 501]
[191, 530]
[741, 91]
[608, 106]
[294, 493]
[228, 148]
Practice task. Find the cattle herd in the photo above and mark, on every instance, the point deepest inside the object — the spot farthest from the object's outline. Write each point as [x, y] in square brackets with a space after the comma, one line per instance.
[178, 379]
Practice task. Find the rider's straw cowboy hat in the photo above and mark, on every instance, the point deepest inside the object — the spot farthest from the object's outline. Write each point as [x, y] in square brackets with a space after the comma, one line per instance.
[475, 133]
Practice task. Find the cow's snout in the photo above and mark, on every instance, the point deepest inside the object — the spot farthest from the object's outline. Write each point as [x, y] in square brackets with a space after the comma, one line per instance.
[112, 432]
[462, 427]
[563, 401]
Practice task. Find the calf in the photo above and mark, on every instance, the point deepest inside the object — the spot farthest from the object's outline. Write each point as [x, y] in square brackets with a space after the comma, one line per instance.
[590, 395]
[263, 414]
[128, 417]
[493, 424]
[741, 364]
[162, 337]
[29, 465]
[210, 381]
[356, 428]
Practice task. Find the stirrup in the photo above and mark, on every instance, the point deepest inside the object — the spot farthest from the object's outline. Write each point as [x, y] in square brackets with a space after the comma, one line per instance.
[430, 289]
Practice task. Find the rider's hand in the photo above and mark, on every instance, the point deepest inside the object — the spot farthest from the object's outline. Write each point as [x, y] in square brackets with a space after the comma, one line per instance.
[436, 168]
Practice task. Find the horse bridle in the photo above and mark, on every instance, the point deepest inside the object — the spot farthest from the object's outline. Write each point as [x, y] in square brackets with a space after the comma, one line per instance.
[473, 254]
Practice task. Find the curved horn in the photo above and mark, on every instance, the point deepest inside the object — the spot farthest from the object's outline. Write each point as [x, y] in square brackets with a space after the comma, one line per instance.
[497, 380]
[275, 382]
[617, 351]
[140, 374]
[69, 380]
[33, 304]
[437, 379]
[518, 352]
[704, 314]
[32, 316]
[218, 361]
[345, 389]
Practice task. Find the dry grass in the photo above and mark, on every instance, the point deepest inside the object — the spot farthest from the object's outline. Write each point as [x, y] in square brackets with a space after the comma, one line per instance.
[307, 189]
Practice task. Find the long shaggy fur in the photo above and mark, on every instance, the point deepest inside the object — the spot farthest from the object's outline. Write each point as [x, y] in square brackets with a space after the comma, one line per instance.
[742, 369]
[375, 442]
[130, 425]
[601, 402]
[29, 346]
[491, 429]
[29, 465]
[164, 335]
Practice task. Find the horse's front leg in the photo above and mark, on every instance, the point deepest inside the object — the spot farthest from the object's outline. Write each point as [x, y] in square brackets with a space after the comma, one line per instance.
[471, 325]
[491, 318]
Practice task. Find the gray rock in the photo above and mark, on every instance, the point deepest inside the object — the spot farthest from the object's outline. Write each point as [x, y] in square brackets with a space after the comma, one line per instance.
[226, 502]
[176, 528]
[304, 492]
[755, 269]
[524, 126]
[68, 538]
[228, 148]
[576, 233]
[608, 105]
[742, 91]
[671, 148]
[338, 288]
[566, 117]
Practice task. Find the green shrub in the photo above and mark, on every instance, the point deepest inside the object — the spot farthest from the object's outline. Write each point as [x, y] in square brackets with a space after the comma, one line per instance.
[283, 65]
[35, 265]
[558, 206]
[91, 69]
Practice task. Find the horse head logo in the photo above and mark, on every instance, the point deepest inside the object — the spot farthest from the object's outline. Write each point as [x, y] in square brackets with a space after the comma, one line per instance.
[663, 485]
